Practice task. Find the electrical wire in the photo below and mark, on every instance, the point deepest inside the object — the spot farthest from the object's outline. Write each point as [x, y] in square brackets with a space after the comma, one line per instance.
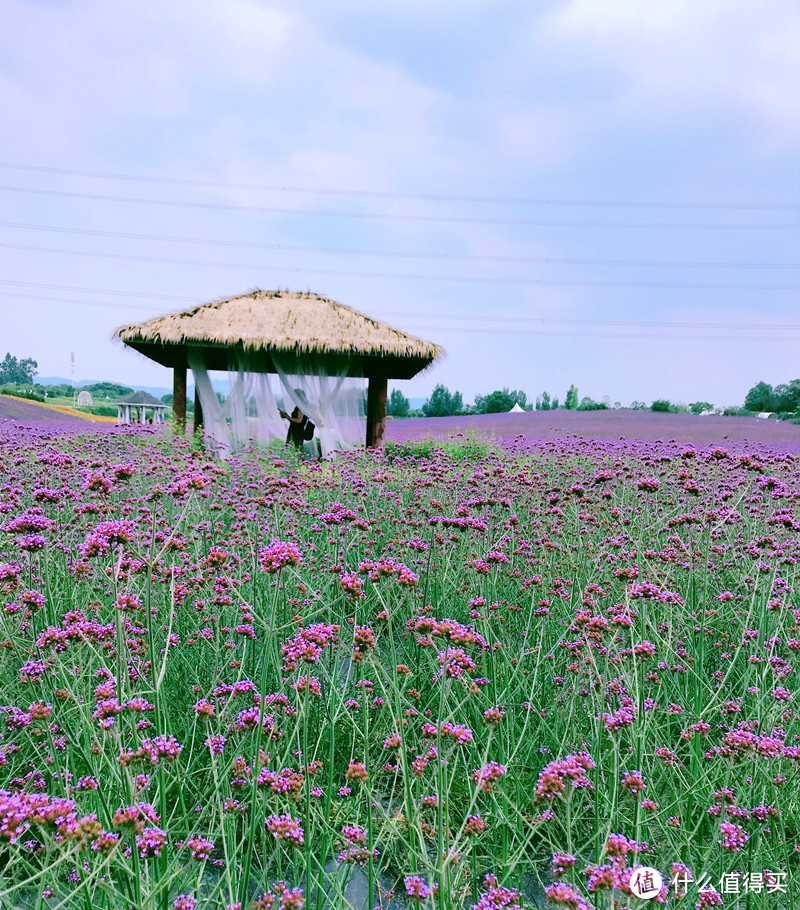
[381, 194]
[461, 279]
[513, 319]
[458, 257]
[377, 216]
[84, 290]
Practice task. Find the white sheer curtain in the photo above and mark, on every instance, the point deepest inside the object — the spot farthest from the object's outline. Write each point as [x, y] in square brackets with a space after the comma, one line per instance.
[334, 403]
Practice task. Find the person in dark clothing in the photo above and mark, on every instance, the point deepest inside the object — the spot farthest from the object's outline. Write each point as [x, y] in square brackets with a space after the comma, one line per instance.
[297, 423]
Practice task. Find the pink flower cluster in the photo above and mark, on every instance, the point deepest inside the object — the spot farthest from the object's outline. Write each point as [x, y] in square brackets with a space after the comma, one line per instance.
[486, 776]
[279, 554]
[557, 774]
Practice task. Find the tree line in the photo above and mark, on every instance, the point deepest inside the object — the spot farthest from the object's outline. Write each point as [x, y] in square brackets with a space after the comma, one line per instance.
[783, 400]
[444, 403]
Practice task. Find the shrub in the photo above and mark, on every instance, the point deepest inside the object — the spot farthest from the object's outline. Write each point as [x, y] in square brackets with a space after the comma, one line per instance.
[22, 393]
[661, 405]
[588, 404]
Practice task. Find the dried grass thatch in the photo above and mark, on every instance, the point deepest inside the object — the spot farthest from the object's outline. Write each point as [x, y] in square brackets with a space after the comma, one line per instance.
[296, 322]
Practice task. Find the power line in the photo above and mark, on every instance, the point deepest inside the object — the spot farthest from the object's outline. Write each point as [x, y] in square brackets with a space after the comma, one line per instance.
[458, 257]
[96, 303]
[649, 337]
[84, 290]
[373, 216]
[425, 197]
[404, 276]
[527, 320]
[600, 322]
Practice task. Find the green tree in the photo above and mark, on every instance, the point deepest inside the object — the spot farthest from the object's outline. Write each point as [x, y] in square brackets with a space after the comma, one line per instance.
[111, 389]
[499, 401]
[700, 407]
[19, 371]
[786, 397]
[661, 405]
[543, 402]
[589, 404]
[760, 398]
[399, 405]
[571, 401]
[442, 403]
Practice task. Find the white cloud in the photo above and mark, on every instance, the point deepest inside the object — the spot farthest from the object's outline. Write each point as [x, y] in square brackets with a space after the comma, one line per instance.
[737, 54]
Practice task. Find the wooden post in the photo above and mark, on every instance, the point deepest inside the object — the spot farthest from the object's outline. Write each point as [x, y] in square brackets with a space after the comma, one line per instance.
[179, 397]
[376, 411]
[198, 411]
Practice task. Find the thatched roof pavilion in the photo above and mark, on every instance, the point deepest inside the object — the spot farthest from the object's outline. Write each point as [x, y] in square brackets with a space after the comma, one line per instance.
[292, 324]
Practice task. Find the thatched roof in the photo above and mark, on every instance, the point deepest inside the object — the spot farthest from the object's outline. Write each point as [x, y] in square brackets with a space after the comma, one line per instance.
[141, 398]
[286, 322]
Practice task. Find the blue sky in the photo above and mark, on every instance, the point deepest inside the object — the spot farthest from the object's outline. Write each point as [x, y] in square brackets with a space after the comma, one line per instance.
[617, 181]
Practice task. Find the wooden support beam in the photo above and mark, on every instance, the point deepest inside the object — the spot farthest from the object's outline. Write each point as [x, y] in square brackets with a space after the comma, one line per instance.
[179, 397]
[198, 411]
[376, 411]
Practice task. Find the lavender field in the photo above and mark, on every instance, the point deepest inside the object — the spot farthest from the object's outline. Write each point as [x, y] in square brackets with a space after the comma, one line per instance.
[439, 675]
[607, 425]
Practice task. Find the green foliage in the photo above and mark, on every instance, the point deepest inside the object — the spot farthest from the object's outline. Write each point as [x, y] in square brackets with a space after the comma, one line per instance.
[102, 410]
[423, 448]
[460, 447]
[22, 371]
[787, 397]
[571, 401]
[543, 402]
[63, 390]
[760, 398]
[588, 404]
[168, 398]
[398, 405]
[700, 407]
[111, 389]
[638, 406]
[499, 401]
[661, 406]
[22, 393]
[442, 403]
[783, 399]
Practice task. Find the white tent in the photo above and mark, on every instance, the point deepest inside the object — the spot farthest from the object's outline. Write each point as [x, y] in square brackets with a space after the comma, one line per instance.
[517, 409]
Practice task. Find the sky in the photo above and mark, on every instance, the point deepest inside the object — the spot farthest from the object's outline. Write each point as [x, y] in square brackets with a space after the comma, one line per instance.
[603, 193]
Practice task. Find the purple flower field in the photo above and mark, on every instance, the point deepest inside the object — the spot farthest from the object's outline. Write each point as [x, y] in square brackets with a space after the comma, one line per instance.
[645, 426]
[455, 674]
